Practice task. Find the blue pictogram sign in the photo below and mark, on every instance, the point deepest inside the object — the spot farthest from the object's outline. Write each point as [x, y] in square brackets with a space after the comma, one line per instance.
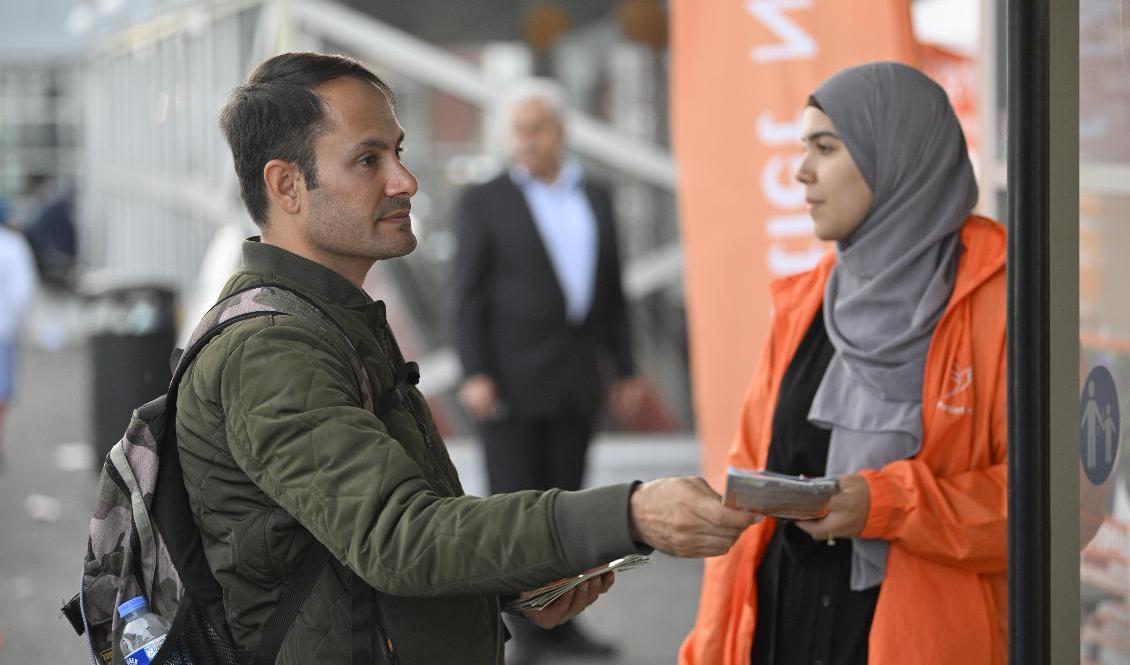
[1099, 425]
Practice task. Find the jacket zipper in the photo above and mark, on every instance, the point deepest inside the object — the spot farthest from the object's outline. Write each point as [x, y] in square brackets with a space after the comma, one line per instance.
[406, 401]
[387, 648]
[423, 427]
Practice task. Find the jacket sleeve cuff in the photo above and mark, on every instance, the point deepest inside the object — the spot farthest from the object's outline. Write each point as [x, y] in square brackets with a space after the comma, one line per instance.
[592, 525]
[884, 491]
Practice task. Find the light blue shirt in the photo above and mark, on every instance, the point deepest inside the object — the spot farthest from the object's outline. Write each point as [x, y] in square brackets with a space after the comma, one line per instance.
[567, 226]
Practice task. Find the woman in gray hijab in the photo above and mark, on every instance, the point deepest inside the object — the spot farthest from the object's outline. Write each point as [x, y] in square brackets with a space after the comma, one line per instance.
[884, 368]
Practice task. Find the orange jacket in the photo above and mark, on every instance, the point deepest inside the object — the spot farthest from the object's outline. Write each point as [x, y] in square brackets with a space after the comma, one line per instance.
[944, 511]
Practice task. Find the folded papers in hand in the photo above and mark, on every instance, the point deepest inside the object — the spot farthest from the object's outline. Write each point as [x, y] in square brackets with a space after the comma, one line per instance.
[779, 495]
[542, 597]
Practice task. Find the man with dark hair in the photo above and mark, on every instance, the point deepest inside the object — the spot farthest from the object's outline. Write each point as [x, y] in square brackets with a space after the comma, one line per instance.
[278, 449]
[277, 115]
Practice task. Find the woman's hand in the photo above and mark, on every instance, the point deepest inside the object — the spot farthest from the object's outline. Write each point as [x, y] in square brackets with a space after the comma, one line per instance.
[571, 604]
[847, 511]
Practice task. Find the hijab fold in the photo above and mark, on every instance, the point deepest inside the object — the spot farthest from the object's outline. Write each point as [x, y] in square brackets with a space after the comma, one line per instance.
[894, 275]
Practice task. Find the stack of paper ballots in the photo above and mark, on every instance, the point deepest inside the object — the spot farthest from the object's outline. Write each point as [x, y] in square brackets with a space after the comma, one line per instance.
[542, 597]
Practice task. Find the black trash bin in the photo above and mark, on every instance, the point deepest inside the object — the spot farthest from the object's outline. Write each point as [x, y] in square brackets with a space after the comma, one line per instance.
[134, 332]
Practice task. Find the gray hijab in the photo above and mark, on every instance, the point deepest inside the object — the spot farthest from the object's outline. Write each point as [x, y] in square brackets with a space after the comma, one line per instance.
[894, 275]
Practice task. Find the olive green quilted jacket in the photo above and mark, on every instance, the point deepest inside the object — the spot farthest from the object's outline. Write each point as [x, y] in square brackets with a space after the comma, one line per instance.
[277, 448]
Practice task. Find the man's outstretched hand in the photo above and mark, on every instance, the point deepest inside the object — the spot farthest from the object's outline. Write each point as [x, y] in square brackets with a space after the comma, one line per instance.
[571, 604]
[685, 517]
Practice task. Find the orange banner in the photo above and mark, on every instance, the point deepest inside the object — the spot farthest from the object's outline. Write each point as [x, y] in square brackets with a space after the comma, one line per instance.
[741, 73]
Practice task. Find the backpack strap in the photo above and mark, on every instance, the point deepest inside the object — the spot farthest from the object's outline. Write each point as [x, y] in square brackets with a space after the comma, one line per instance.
[264, 300]
[301, 583]
[275, 299]
[362, 600]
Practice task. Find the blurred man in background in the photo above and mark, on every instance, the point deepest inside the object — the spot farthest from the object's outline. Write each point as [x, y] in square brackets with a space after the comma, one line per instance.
[17, 281]
[540, 317]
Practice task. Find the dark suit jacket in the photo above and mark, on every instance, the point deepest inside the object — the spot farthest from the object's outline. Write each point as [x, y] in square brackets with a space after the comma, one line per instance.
[509, 309]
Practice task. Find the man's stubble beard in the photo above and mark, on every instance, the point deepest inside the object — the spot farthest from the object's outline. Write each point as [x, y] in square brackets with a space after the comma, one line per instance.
[342, 230]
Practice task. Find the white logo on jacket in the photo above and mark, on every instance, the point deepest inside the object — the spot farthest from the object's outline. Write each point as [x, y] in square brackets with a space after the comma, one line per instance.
[961, 378]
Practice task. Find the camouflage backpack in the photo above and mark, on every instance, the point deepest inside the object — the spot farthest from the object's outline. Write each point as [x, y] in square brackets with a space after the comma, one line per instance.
[145, 542]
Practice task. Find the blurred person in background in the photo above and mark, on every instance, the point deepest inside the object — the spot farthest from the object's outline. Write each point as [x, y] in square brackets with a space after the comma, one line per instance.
[540, 319]
[278, 448]
[34, 193]
[50, 229]
[885, 366]
[17, 283]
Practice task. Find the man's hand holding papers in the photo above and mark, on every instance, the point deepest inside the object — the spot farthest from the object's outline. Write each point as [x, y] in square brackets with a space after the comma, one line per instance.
[684, 517]
[563, 607]
[680, 516]
[557, 602]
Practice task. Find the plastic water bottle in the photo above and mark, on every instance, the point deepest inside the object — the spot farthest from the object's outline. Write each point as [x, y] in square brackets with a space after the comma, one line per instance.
[144, 632]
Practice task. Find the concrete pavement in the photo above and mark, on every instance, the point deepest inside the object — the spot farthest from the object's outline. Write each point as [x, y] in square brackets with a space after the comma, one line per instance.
[41, 556]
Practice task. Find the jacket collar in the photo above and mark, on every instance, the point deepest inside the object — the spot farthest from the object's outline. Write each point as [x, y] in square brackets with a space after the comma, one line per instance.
[302, 274]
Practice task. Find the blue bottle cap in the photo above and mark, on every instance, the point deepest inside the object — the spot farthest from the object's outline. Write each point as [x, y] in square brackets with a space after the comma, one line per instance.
[131, 605]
